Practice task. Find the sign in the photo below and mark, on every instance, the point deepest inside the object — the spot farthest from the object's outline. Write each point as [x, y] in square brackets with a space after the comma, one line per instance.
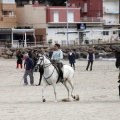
[81, 26]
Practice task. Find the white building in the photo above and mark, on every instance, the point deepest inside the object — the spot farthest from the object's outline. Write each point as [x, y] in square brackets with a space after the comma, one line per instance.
[111, 19]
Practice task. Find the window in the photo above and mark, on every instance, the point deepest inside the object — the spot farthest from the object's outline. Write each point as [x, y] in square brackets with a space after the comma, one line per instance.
[70, 17]
[56, 41]
[9, 1]
[72, 42]
[8, 13]
[85, 7]
[105, 32]
[56, 17]
[114, 32]
[63, 42]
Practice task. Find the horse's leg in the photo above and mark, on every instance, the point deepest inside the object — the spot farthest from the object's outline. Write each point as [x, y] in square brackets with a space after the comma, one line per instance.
[40, 79]
[66, 86]
[71, 84]
[54, 87]
[43, 88]
[75, 97]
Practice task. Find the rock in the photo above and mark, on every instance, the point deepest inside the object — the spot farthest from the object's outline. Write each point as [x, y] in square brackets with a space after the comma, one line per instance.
[9, 52]
[99, 47]
[84, 54]
[5, 56]
[13, 57]
[107, 49]
[65, 55]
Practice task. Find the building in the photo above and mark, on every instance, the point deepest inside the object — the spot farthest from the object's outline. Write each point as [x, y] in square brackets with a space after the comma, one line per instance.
[33, 15]
[91, 12]
[111, 20]
[57, 24]
[102, 16]
[7, 19]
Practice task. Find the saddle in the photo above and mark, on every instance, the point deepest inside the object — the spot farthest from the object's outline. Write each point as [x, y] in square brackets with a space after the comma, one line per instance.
[58, 71]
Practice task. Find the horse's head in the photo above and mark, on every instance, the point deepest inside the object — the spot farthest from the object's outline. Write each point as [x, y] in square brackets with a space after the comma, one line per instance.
[39, 62]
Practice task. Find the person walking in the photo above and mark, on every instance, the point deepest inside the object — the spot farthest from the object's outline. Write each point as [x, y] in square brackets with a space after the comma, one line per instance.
[29, 65]
[19, 59]
[71, 57]
[90, 58]
[57, 56]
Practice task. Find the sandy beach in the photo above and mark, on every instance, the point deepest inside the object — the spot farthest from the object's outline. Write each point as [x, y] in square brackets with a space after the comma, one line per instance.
[98, 91]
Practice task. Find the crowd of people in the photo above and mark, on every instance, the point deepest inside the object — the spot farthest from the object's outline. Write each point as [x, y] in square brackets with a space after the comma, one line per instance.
[55, 56]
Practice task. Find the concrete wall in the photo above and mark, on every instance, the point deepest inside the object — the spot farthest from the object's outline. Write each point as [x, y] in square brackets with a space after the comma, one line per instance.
[61, 38]
[7, 21]
[34, 16]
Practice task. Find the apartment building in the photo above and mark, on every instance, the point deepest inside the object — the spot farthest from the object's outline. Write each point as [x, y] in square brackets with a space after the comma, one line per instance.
[111, 19]
[57, 24]
[91, 12]
[101, 18]
[33, 15]
[7, 19]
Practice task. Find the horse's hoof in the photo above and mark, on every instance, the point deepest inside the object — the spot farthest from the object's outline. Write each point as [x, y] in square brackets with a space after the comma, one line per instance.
[44, 100]
[66, 100]
[77, 98]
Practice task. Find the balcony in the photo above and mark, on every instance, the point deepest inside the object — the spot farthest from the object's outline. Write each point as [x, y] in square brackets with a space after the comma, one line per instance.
[8, 7]
[84, 10]
[112, 10]
[92, 19]
[111, 22]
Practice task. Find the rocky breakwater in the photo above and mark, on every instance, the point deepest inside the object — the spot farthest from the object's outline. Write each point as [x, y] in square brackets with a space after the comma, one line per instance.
[101, 51]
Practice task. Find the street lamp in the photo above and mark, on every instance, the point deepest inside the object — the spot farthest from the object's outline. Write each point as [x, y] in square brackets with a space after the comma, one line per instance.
[67, 42]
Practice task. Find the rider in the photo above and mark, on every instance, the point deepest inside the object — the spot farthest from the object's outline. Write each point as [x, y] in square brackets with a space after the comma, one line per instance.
[57, 56]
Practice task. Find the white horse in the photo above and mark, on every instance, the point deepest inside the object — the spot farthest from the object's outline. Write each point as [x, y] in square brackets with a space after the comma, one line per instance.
[50, 77]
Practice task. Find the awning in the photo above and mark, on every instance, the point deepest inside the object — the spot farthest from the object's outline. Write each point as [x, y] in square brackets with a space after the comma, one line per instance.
[22, 31]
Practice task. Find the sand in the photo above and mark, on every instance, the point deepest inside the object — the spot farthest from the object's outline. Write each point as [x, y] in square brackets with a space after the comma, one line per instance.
[98, 91]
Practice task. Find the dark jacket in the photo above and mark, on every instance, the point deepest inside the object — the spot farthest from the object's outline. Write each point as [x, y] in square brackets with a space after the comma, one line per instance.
[19, 58]
[117, 55]
[29, 64]
[71, 58]
[91, 56]
[50, 54]
[30, 55]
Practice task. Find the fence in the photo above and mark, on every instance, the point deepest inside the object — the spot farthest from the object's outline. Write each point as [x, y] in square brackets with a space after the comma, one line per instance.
[45, 44]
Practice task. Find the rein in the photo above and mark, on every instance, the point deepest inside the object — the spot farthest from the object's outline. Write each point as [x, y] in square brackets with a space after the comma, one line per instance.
[45, 66]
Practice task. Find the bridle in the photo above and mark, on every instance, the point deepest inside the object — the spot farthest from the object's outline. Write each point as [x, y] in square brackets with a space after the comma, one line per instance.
[45, 66]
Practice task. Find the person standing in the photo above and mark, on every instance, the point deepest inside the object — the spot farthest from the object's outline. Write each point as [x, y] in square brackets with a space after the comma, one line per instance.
[19, 42]
[117, 63]
[90, 58]
[71, 57]
[29, 65]
[34, 57]
[19, 59]
[57, 56]
[50, 53]
[30, 54]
